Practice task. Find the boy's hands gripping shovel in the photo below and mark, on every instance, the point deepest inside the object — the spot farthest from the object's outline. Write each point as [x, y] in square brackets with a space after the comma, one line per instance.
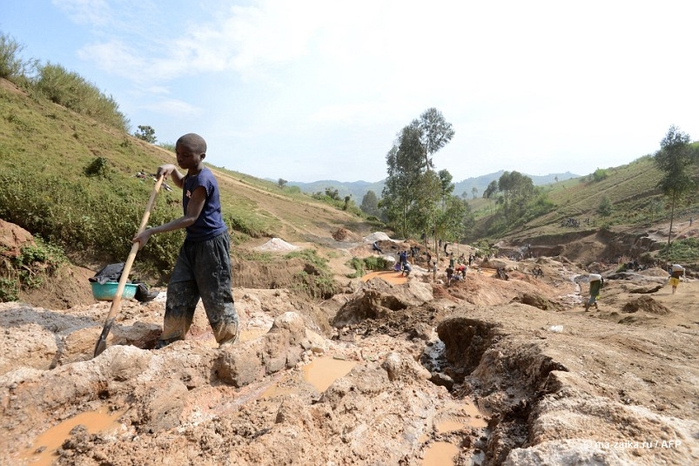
[116, 302]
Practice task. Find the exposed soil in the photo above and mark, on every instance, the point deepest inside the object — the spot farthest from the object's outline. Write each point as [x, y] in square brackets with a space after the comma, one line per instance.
[502, 367]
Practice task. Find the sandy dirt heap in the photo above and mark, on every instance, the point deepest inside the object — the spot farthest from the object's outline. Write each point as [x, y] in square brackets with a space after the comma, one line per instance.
[483, 371]
[277, 245]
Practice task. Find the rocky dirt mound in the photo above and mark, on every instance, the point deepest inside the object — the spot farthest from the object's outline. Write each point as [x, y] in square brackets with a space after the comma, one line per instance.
[343, 234]
[61, 289]
[647, 304]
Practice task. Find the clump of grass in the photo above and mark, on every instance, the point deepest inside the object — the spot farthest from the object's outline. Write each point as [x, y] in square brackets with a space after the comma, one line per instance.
[368, 263]
[316, 279]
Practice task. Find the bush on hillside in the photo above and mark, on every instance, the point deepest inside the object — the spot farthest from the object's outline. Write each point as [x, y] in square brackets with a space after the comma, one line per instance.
[599, 175]
[540, 206]
[605, 207]
[72, 91]
[12, 66]
[361, 265]
[98, 167]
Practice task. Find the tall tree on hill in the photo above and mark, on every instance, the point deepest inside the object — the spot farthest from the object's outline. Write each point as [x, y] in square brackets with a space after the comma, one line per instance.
[675, 159]
[406, 170]
[436, 133]
[517, 191]
[412, 189]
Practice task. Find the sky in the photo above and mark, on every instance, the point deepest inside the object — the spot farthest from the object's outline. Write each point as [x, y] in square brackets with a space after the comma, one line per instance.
[310, 90]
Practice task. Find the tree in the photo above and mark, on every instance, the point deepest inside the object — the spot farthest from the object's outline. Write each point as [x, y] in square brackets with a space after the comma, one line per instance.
[456, 220]
[332, 193]
[281, 183]
[370, 204]
[413, 190]
[655, 207]
[407, 166]
[146, 133]
[491, 190]
[445, 184]
[436, 132]
[605, 207]
[517, 191]
[474, 192]
[675, 159]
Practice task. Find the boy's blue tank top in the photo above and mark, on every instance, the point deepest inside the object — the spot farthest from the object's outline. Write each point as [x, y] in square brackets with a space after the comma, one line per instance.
[210, 222]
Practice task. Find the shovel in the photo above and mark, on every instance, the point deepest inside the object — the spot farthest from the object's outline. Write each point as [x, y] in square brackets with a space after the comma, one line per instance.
[116, 302]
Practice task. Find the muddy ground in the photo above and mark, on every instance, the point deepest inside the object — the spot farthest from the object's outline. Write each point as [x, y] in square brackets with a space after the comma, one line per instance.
[388, 371]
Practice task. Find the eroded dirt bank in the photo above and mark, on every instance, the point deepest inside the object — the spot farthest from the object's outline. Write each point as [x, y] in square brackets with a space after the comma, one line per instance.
[418, 373]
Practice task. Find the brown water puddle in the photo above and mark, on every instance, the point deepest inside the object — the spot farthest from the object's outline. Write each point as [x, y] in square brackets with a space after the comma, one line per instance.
[322, 372]
[474, 418]
[43, 449]
[394, 278]
[440, 454]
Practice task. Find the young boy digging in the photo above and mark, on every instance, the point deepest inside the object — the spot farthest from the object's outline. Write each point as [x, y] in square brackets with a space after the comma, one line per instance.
[203, 268]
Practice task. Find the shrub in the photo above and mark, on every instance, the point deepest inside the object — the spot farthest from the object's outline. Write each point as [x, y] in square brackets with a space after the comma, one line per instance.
[9, 290]
[98, 167]
[605, 207]
[599, 175]
[12, 66]
[72, 91]
[368, 263]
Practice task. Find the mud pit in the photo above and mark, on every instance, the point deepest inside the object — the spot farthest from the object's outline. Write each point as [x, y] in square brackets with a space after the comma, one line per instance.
[416, 374]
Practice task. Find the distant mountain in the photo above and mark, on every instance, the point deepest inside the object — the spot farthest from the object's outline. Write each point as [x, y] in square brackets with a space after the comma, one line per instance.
[357, 189]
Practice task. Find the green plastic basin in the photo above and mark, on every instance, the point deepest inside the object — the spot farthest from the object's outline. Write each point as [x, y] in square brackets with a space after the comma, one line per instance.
[107, 291]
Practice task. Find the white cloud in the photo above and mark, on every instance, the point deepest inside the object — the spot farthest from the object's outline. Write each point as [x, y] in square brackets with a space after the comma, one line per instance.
[173, 107]
[95, 13]
[538, 83]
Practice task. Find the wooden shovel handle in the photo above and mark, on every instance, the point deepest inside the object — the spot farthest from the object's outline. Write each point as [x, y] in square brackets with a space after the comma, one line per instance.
[134, 249]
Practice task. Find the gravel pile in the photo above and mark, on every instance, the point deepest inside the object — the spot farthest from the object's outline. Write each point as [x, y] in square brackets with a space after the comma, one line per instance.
[276, 244]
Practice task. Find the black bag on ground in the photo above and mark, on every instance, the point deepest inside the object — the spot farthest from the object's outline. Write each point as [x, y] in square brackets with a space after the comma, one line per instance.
[110, 273]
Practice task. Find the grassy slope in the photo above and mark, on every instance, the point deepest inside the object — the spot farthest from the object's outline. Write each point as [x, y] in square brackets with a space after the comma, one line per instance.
[632, 189]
